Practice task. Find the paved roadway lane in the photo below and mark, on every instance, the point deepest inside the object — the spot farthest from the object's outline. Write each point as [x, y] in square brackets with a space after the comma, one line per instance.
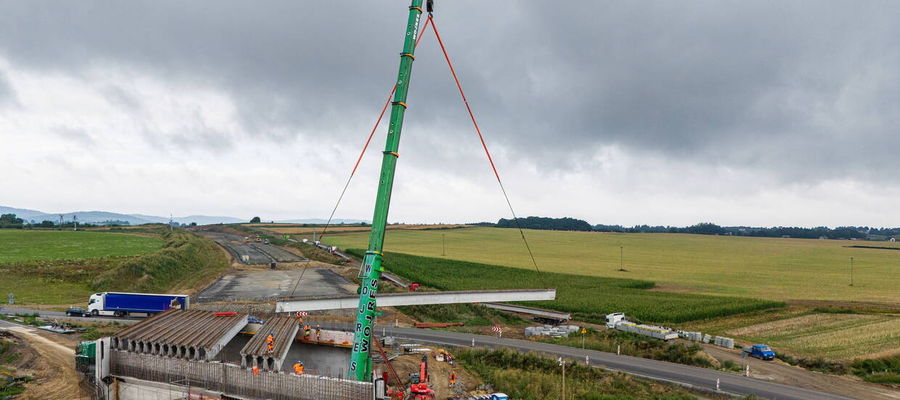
[701, 378]
[60, 314]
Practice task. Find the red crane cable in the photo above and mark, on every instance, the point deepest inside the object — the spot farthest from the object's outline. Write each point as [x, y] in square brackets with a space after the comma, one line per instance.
[358, 160]
[369, 140]
[481, 138]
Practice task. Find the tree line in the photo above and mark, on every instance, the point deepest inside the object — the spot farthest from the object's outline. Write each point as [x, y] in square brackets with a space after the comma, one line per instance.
[557, 224]
[703, 228]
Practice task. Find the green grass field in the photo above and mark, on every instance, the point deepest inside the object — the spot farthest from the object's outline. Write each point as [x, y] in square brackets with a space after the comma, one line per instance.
[767, 268]
[64, 267]
[25, 245]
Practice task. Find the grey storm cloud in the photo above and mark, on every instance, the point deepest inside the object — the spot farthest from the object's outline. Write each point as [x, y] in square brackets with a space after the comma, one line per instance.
[801, 90]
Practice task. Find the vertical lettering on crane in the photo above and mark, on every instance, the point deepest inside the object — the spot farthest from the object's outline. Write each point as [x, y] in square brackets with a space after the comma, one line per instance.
[360, 362]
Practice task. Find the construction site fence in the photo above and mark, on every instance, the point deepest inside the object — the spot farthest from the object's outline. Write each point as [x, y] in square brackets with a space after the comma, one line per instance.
[236, 381]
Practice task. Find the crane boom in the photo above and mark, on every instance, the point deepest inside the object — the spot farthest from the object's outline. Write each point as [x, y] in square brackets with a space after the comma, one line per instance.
[360, 360]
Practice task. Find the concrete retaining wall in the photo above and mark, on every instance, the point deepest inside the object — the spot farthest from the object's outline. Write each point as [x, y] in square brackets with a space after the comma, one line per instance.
[234, 380]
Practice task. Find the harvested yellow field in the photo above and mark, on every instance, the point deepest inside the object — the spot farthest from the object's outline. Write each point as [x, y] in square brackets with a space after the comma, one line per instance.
[834, 336]
[307, 230]
[765, 268]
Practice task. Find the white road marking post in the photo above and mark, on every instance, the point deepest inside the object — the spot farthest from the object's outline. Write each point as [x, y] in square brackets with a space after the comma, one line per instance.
[717, 384]
[618, 349]
[747, 371]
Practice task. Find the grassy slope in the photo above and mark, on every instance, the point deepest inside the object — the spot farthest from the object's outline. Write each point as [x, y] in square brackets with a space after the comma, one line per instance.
[770, 268]
[25, 245]
[186, 259]
[532, 377]
[588, 298]
[180, 259]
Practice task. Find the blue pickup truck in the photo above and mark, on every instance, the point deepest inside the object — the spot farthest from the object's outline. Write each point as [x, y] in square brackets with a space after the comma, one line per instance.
[759, 351]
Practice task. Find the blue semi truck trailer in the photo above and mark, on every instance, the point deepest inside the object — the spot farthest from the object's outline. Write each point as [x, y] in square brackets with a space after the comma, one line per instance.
[123, 304]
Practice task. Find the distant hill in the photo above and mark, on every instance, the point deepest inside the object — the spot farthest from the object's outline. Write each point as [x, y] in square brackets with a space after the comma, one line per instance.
[199, 219]
[20, 212]
[101, 217]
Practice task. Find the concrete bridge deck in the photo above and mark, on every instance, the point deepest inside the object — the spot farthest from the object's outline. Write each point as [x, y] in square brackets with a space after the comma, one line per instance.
[191, 334]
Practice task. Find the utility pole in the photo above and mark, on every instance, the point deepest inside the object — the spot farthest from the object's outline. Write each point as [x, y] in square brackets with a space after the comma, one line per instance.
[360, 367]
[621, 258]
[851, 271]
[562, 363]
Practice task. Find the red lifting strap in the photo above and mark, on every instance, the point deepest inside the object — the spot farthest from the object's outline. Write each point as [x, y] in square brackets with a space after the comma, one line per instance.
[481, 138]
[384, 109]
[463, 94]
[369, 140]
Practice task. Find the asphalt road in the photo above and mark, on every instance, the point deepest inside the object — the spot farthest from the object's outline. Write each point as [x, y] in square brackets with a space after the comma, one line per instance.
[257, 253]
[692, 377]
[270, 284]
[13, 310]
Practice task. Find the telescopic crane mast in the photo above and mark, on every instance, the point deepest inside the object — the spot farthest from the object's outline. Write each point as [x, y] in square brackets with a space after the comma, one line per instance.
[370, 272]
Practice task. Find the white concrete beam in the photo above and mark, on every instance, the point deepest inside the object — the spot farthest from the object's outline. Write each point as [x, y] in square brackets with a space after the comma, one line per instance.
[418, 298]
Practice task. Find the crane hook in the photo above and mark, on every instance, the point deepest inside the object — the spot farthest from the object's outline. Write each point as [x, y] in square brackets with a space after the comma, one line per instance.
[429, 6]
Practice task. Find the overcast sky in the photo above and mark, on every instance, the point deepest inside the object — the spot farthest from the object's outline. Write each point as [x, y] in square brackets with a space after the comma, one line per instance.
[628, 112]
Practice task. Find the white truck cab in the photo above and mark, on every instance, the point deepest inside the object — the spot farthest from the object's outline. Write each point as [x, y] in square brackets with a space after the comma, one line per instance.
[613, 319]
[95, 304]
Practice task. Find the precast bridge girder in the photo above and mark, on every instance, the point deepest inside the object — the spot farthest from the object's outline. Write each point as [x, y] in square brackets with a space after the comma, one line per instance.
[418, 298]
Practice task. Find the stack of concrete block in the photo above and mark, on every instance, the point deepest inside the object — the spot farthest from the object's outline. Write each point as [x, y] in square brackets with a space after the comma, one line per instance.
[707, 338]
[552, 331]
[725, 342]
[692, 336]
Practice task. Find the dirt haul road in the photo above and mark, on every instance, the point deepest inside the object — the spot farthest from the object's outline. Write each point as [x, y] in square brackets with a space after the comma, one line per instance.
[54, 372]
[778, 371]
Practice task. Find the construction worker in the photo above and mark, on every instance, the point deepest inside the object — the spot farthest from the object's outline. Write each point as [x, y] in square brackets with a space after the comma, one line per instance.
[255, 370]
[298, 367]
[307, 331]
[452, 379]
[299, 319]
[270, 343]
[318, 332]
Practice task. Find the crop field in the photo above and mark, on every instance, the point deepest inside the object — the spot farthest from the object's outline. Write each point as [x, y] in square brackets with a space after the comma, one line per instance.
[307, 230]
[767, 268]
[833, 336]
[25, 245]
[587, 298]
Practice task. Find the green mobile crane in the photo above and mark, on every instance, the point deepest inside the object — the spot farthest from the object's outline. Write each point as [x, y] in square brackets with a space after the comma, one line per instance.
[370, 272]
